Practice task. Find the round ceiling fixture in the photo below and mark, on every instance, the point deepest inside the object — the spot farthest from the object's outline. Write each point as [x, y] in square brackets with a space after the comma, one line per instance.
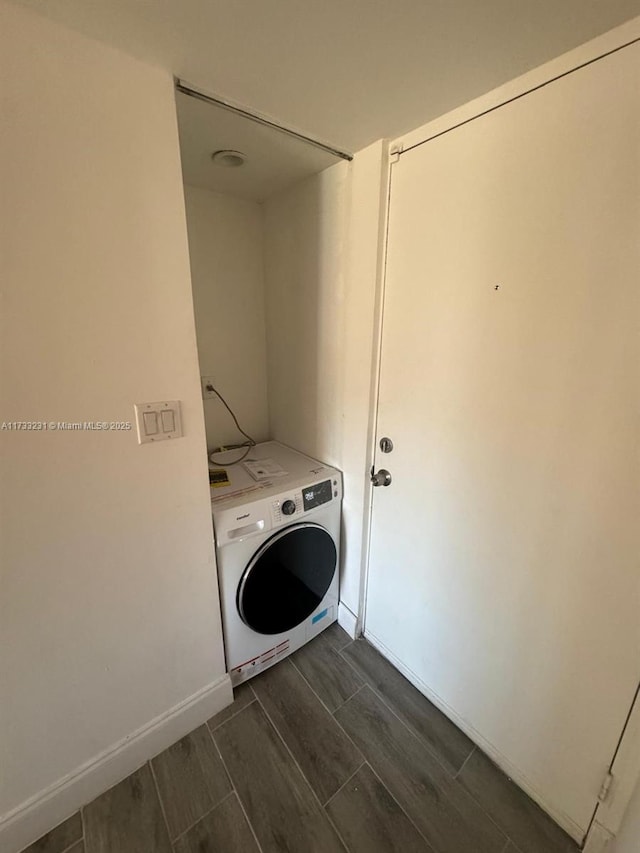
[228, 158]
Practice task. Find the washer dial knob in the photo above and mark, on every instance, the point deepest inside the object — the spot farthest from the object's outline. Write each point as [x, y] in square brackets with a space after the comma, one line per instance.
[288, 507]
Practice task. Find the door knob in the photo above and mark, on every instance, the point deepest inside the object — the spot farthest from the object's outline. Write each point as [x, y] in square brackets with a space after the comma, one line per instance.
[381, 478]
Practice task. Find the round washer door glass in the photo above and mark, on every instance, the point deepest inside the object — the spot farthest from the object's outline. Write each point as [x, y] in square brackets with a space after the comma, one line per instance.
[287, 578]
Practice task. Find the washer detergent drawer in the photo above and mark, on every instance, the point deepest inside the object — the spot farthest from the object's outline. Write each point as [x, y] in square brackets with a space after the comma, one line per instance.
[246, 529]
[238, 523]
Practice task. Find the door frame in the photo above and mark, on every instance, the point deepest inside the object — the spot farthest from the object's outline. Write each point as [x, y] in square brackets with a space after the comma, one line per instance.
[625, 765]
[625, 770]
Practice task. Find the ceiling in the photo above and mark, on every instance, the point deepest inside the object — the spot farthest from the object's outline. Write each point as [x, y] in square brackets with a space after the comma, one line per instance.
[345, 71]
[274, 159]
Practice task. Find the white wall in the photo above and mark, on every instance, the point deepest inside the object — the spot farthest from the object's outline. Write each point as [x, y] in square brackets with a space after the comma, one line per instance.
[321, 264]
[109, 622]
[226, 251]
[628, 840]
[304, 273]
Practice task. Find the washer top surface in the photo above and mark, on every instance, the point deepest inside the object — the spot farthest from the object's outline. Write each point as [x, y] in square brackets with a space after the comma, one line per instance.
[244, 488]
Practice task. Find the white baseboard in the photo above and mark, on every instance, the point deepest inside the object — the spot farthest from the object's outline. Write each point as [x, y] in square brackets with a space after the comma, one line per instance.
[563, 820]
[348, 621]
[49, 807]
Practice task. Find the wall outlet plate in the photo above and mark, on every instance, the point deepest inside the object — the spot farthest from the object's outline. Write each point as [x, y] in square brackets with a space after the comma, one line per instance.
[207, 393]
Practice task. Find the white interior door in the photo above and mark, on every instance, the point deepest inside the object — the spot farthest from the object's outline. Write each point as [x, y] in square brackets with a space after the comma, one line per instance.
[504, 571]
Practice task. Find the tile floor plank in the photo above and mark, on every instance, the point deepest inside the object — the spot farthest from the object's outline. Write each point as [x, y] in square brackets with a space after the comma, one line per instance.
[326, 671]
[326, 756]
[443, 737]
[242, 695]
[278, 801]
[337, 636]
[224, 830]
[59, 838]
[530, 829]
[369, 819]
[127, 818]
[445, 814]
[191, 779]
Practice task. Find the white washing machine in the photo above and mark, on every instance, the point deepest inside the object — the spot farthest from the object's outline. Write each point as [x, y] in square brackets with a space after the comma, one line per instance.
[277, 535]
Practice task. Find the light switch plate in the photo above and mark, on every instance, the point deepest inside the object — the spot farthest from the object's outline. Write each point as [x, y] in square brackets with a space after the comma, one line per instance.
[158, 421]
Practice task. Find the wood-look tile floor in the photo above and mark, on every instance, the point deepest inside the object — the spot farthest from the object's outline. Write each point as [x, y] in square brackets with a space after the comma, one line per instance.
[330, 750]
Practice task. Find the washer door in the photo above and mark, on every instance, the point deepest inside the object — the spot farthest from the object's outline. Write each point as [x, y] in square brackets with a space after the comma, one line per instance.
[287, 578]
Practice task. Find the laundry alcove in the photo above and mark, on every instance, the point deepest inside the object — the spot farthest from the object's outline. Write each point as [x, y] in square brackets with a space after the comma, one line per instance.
[283, 253]
[265, 230]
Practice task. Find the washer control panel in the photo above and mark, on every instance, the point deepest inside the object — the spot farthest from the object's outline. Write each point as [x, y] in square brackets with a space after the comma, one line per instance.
[288, 506]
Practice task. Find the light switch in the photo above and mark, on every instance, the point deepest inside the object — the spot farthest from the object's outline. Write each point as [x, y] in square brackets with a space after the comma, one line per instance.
[150, 423]
[168, 420]
[158, 421]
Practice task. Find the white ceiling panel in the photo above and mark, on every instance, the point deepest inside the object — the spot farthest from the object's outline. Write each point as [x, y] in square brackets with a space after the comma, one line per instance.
[346, 71]
[274, 159]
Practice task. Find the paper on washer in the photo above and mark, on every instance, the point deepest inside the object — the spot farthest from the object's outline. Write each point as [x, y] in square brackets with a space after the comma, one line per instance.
[264, 469]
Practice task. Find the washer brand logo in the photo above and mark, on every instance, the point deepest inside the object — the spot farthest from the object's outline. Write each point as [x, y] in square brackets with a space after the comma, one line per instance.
[240, 517]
